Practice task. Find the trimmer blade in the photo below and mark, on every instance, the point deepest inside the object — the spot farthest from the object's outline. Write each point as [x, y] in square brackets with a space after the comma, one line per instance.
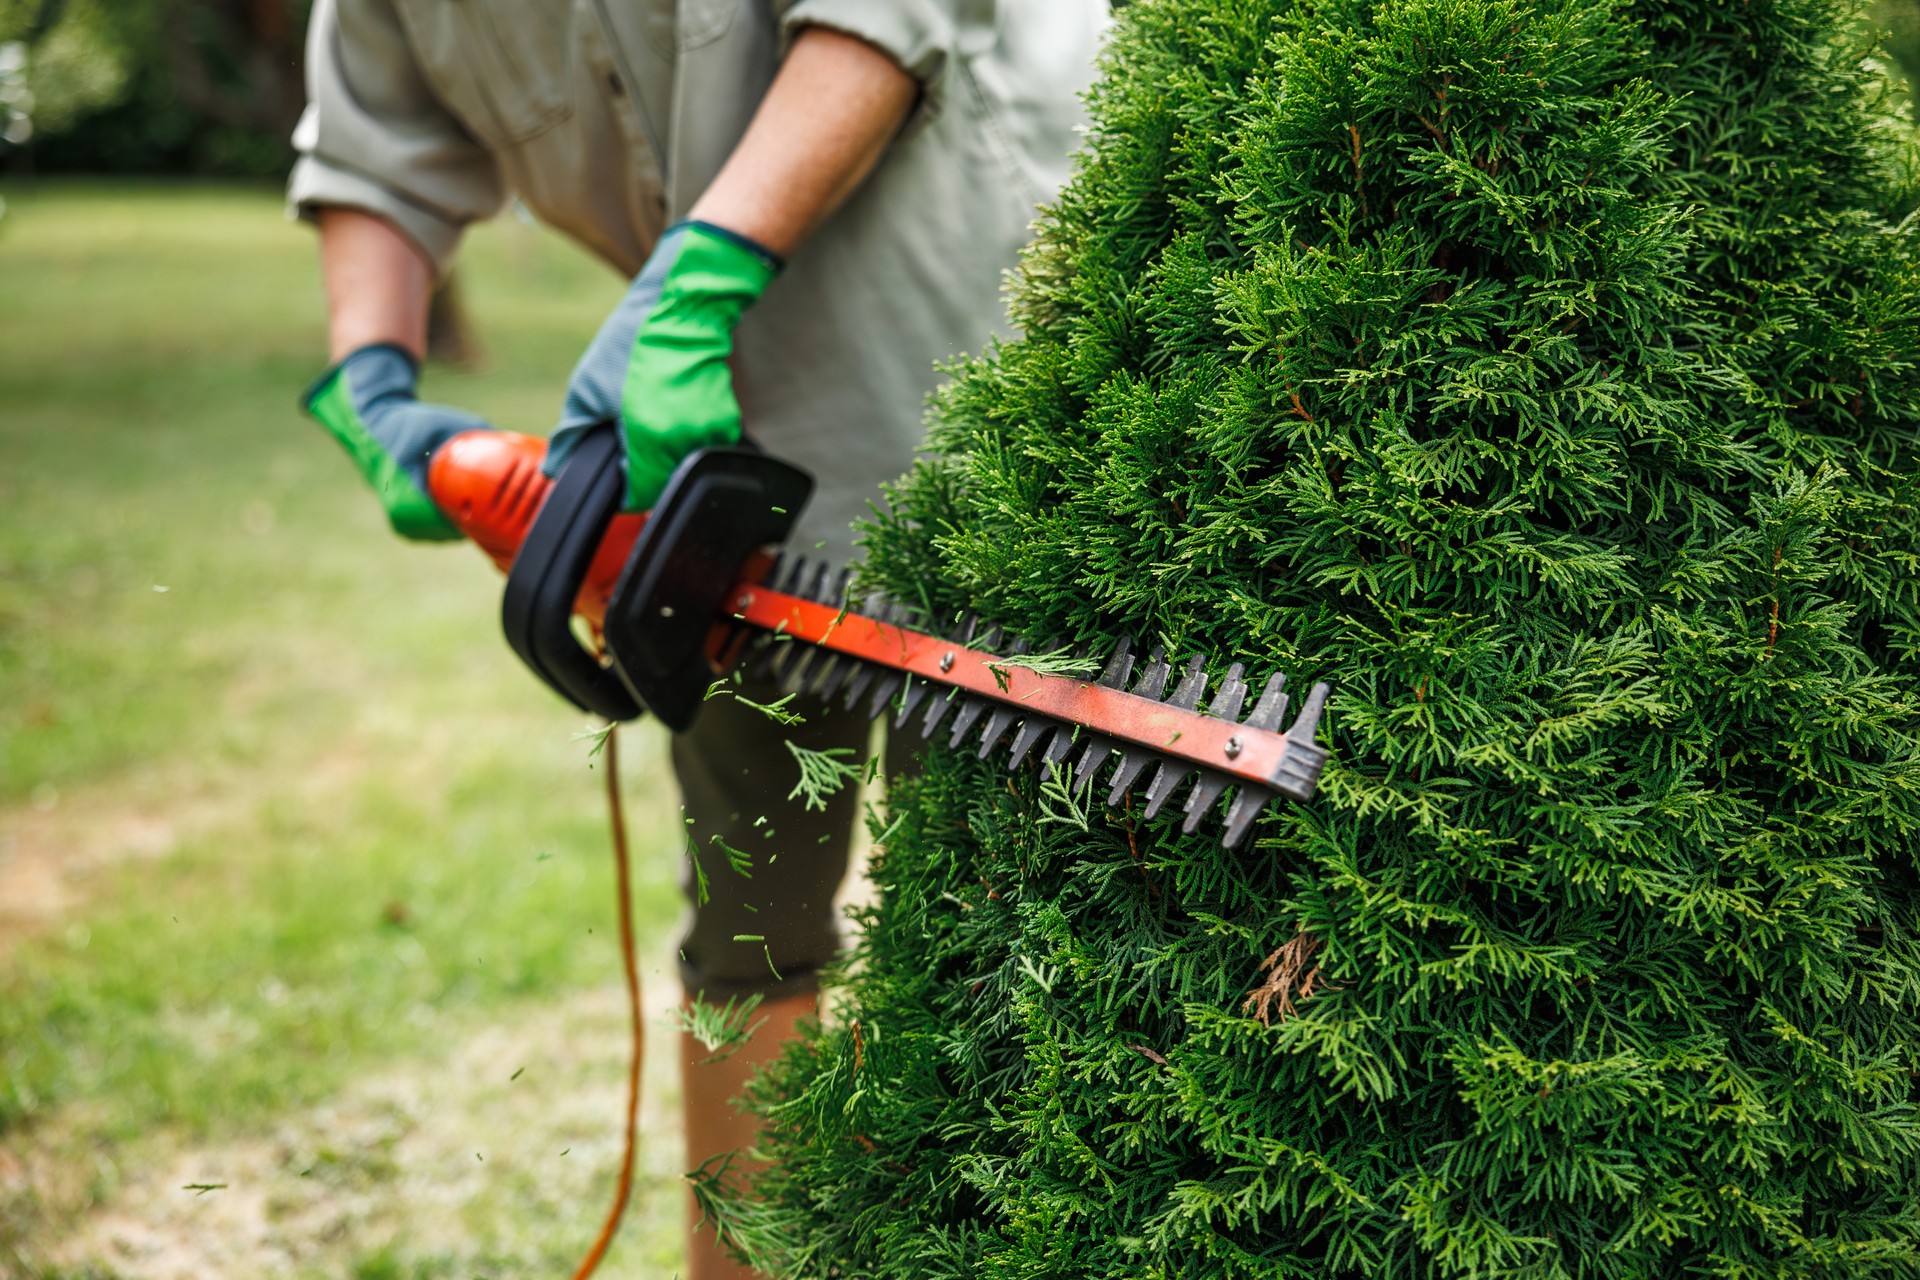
[997, 725]
[883, 611]
[1249, 801]
[828, 682]
[971, 709]
[1133, 760]
[1172, 772]
[937, 711]
[1030, 734]
[884, 688]
[1207, 788]
[1099, 746]
[1306, 758]
[910, 697]
[1057, 751]
[792, 673]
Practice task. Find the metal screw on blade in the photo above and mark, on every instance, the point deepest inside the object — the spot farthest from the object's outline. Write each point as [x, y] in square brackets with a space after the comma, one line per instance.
[666, 611]
[1234, 746]
[946, 662]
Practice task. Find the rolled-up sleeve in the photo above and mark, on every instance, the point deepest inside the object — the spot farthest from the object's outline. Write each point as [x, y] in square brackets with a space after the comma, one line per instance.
[375, 138]
[923, 36]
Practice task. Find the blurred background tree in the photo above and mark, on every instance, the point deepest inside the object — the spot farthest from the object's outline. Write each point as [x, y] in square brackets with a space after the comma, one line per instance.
[206, 87]
[150, 86]
[1901, 18]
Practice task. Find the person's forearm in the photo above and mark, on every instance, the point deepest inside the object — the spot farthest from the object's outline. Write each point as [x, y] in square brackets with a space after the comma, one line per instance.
[827, 119]
[378, 284]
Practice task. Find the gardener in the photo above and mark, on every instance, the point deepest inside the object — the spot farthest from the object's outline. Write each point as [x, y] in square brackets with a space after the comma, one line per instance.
[816, 200]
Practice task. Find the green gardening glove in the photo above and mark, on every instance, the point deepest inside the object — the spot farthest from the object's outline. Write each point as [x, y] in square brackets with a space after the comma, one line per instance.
[658, 367]
[367, 402]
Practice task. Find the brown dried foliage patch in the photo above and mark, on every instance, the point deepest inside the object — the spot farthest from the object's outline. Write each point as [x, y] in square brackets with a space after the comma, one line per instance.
[1289, 979]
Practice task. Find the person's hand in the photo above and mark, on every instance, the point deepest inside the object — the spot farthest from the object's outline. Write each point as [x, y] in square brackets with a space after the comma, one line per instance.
[367, 402]
[658, 367]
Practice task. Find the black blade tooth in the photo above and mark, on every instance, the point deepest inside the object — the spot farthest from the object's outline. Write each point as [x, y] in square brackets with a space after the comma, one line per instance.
[1250, 801]
[1205, 791]
[837, 597]
[916, 690]
[938, 712]
[1300, 767]
[1153, 681]
[863, 674]
[846, 669]
[1243, 812]
[1167, 781]
[884, 688]
[1133, 760]
[885, 611]
[1231, 694]
[1172, 773]
[782, 652]
[1308, 722]
[793, 673]
[1207, 788]
[775, 653]
[1003, 716]
[766, 651]
[1063, 742]
[796, 575]
[1030, 733]
[1200, 799]
[828, 673]
[1272, 705]
[759, 659]
[971, 709]
[1119, 665]
[997, 725]
[1099, 747]
[1193, 683]
[818, 585]
[1057, 751]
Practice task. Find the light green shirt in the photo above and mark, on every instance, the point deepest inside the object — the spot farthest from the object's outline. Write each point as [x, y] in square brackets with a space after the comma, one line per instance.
[608, 118]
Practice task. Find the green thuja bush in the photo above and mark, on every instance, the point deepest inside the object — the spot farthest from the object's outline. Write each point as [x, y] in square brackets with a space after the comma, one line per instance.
[1542, 373]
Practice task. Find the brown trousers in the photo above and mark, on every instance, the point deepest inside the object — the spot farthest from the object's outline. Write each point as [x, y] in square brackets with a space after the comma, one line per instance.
[771, 929]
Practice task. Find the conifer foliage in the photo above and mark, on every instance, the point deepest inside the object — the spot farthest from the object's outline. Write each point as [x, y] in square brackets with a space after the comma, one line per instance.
[1543, 374]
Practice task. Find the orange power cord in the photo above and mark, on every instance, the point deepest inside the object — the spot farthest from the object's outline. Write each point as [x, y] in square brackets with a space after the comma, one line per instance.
[628, 955]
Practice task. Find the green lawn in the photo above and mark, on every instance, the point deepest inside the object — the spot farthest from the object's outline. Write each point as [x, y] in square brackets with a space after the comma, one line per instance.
[307, 819]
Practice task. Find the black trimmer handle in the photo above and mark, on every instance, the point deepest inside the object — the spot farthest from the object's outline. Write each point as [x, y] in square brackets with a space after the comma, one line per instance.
[548, 572]
[720, 507]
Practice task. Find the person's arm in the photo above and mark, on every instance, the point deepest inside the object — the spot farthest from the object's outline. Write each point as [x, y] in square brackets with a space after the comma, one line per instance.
[390, 177]
[658, 367]
[378, 284]
[378, 288]
[827, 119]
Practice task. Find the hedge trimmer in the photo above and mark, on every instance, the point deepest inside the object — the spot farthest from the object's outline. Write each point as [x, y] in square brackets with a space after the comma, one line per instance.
[683, 596]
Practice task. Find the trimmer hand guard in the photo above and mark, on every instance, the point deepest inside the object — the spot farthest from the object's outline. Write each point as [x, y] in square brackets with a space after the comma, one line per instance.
[537, 609]
[720, 508]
